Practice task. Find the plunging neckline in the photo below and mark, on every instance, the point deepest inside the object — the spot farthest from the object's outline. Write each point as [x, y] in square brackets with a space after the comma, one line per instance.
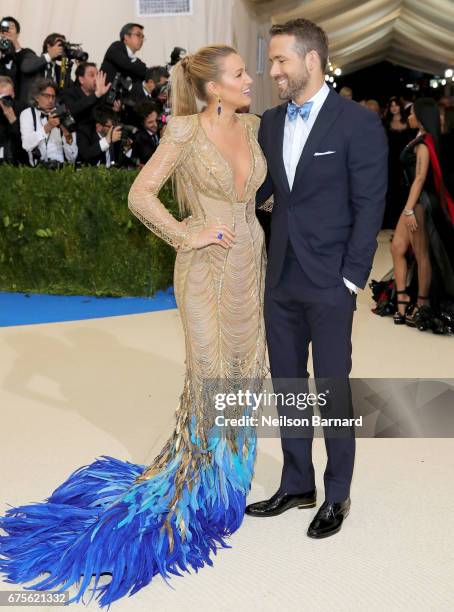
[228, 164]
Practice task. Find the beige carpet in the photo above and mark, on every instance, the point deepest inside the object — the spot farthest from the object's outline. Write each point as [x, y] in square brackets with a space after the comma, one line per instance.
[70, 392]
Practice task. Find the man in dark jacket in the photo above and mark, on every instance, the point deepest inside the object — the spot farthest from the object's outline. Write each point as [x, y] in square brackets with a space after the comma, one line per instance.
[10, 142]
[149, 89]
[120, 56]
[12, 59]
[146, 140]
[87, 93]
[100, 143]
[46, 66]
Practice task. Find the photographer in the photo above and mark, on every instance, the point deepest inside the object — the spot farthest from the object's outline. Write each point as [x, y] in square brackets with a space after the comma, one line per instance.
[120, 56]
[48, 65]
[103, 141]
[146, 140]
[152, 88]
[12, 55]
[10, 143]
[45, 136]
[87, 93]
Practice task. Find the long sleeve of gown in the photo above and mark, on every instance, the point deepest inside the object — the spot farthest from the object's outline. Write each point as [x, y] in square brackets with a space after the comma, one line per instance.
[143, 198]
[264, 197]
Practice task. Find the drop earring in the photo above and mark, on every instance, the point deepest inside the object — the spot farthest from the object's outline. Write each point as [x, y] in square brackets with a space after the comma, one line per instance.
[219, 107]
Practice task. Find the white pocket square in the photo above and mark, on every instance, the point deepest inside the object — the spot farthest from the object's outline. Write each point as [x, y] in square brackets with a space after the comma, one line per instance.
[324, 153]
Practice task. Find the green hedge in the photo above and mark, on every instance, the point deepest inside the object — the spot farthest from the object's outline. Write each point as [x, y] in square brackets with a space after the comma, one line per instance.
[71, 233]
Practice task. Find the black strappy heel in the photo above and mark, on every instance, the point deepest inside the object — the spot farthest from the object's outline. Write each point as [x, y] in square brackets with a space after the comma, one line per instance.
[419, 316]
[400, 319]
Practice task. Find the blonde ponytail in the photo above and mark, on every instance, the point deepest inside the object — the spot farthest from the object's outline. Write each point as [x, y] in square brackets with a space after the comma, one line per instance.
[183, 100]
[191, 74]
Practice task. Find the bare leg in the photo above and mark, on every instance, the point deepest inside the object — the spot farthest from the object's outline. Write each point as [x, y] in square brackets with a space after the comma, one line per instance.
[399, 247]
[420, 244]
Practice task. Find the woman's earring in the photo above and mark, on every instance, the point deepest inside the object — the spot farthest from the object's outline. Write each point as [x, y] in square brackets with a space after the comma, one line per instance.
[219, 106]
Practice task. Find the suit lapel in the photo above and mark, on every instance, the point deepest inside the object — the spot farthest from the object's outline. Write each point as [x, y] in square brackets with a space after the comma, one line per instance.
[327, 115]
[280, 124]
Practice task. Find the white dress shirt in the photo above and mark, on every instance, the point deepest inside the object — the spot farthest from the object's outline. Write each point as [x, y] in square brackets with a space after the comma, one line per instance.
[50, 64]
[131, 54]
[52, 146]
[105, 148]
[145, 90]
[296, 133]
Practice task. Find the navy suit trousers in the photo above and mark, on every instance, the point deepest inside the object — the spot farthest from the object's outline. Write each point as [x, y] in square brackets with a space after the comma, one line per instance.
[298, 313]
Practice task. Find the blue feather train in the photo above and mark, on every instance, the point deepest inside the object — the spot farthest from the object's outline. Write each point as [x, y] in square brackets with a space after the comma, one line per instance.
[101, 521]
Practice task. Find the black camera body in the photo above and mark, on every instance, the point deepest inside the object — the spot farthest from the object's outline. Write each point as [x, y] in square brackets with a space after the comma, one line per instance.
[50, 164]
[66, 119]
[177, 54]
[119, 89]
[6, 46]
[128, 132]
[7, 101]
[73, 51]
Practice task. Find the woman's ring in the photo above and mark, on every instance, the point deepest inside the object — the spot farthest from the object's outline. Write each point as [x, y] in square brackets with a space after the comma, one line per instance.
[220, 236]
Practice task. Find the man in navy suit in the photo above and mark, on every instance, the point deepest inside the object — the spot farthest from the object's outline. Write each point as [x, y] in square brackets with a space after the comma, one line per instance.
[327, 173]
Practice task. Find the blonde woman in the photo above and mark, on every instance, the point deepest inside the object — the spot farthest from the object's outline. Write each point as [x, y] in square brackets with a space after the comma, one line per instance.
[134, 521]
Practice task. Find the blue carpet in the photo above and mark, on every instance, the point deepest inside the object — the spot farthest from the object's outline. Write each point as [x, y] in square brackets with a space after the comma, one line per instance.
[27, 309]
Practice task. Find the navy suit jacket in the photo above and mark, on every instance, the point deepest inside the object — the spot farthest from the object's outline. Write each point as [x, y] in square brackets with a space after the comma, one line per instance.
[335, 209]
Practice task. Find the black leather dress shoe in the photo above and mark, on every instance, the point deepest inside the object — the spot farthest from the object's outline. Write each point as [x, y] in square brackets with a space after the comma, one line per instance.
[329, 519]
[280, 502]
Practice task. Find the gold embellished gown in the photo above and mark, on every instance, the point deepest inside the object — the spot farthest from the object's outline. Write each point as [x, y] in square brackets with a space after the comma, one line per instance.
[133, 521]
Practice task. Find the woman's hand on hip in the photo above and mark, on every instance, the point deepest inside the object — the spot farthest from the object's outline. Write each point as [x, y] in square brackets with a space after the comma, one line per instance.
[214, 233]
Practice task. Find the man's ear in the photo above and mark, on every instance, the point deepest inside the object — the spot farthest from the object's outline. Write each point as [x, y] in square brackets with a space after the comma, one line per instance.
[312, 60]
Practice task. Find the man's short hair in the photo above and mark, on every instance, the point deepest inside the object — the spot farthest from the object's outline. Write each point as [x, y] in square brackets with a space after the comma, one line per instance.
[155, 73]
[6, 80]
[103, 113]
[51, 39]
[16, 23]
[127, 29]
[41, 84]
[81, 68]
[308, 37]
[146, 108]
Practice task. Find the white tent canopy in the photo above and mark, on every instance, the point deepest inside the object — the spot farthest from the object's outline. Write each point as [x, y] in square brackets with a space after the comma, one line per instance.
[413, 33]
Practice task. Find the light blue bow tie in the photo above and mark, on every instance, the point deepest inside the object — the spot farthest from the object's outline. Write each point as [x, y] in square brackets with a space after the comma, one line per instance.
[293, 110]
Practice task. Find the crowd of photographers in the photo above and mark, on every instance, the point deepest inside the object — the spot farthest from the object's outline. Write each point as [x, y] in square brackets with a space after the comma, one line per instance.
[58, 107]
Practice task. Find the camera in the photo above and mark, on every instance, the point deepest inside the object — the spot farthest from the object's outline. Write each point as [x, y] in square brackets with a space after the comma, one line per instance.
[119, 90]
[73, 51]
[127, 133]
[66, 119]
[50, 164]
[6, 46]
[7, 100]
[177, 54]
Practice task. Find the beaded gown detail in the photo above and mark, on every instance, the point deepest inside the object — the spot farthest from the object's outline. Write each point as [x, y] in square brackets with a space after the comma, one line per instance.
[133, 521]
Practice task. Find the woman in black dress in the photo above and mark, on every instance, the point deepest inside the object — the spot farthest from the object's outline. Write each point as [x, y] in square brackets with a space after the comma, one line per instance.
[422, 246]
[399, 135]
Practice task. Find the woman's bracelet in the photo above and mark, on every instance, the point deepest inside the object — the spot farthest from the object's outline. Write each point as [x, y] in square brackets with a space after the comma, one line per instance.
[408, 212]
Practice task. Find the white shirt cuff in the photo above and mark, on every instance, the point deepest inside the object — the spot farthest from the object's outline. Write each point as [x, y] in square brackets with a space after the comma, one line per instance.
[350, 285]
[104, 144]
